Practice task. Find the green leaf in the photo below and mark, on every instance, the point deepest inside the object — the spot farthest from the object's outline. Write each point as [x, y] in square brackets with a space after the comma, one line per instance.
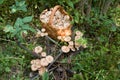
[8, 28]
[82, 41]
[16, 31]
[7, 69]
[21, 3]
[13, 9]
[23, 8]
[76, 16]
[18, 6]
[45, 76]
[1, 1]
[113, 28]
[18, 22]
[27, 19]
[27, 27]
[70, 3]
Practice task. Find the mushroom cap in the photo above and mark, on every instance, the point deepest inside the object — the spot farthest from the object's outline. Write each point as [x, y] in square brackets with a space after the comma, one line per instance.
[71, 43]
[77, 45]
[65, 49]
[59, 37]
[37, 61]
[79, 33]
[44, 62]
[32, 62]
[38, 49]
[46, 34]
[34, 67]
[49, 58]
[43, 54]
[43, 29]
[67, 38]
[71, 47]
[38, 34]
[66, 17]
[77, 37]
[41, 70]
[84, 46]
[42, 34]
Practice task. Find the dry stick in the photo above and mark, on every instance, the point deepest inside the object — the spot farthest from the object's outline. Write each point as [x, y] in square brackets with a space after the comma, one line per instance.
[53, 41]
[48, 45]
[22, 47]
[55, 59]
[53, 68]
[34, 77]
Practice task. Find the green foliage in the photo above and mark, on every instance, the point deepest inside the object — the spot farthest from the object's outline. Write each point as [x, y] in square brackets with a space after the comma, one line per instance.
[19, 6]
[1, 1]
[20, 26]
[82, 41]
[11, 61]
[45, 76]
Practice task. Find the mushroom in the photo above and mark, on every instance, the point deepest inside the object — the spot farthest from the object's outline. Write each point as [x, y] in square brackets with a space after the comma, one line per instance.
[49, 58]
[66, 17]
[43, 29]
[77, 37]
[78, 33]
[67, 38]
[41, 70]
[59, 37]
[43, 54]
[34, 67]
[38, 34]
[42, 34]
[84, 45]
[71, 47]
[44, 62]
[71, 43]
[37, 63]
[65, 49]
[32, 62]
[46, 34]
[38, 49]
[77, 45]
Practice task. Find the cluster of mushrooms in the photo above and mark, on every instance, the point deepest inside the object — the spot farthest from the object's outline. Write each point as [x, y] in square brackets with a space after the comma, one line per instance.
[73, 45]
[41, 33]
[63, 26]
[59, 20]
[40, 64]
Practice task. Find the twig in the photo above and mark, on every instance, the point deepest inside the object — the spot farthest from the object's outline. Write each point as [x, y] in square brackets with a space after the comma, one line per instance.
[33, 53]
[53, 69]
[55, 59]
[53, 41]
[34, 77]
[7, 40]
[48, 45]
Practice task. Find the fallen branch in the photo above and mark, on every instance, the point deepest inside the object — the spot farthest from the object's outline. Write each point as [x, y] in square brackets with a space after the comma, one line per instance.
[26, 49]
[55, 59]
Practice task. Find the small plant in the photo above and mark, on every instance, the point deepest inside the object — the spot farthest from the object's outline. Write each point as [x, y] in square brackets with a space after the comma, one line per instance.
[20, 27]
[19, 6]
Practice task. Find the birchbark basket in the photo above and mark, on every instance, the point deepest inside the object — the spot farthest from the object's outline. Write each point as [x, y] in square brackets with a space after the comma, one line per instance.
[51, 29]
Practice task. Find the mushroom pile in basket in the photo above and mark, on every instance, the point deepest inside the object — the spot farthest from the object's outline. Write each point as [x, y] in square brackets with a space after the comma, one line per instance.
[56, 21]
[60, 20]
